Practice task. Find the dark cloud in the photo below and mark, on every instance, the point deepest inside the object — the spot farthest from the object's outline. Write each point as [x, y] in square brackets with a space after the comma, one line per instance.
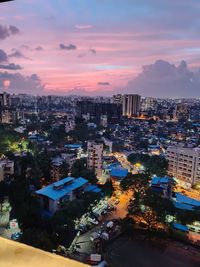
[68, 47]
[39, 48]
[5, 31]
[84, 92]
[14, 30]
[3, 56]
[163, 79]
[11, 66]
[17, 54]
[22, 84]
[104, 83]
[93, 51]
[81, 55]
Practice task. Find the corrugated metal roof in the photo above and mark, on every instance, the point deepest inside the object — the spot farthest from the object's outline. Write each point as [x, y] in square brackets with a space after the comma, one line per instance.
[160, 180]
[66, 185]
[187, 200]
[119, 172]
[92, 188]
[180, 227]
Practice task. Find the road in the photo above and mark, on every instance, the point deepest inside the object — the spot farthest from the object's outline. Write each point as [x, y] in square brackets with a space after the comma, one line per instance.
[121, 211]
[121, 157]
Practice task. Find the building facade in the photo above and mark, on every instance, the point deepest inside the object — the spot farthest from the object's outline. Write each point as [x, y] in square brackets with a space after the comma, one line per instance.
[131, 105]
[94, 111]
[6, 169]
[95, 157]
[184, 164]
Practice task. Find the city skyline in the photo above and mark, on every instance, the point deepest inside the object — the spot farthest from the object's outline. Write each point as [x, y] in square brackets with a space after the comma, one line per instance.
[100, 48]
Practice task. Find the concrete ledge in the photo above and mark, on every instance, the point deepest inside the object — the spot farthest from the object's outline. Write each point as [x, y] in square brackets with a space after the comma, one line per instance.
[14, 254]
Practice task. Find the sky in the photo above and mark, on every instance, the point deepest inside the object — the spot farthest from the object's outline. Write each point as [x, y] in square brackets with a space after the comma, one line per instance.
[101, 47]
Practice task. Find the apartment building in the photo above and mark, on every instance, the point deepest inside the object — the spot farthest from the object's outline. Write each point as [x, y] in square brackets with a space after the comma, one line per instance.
[131, 105]
[6, 168]
[184, 164]
[95, 155]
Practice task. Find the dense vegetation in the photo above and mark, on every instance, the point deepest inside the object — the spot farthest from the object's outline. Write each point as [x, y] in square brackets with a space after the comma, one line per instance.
[153, 164]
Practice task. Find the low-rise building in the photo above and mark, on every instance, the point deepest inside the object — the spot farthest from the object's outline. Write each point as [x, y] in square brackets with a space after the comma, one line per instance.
[162, 185]
[6, 168]
[53, 195]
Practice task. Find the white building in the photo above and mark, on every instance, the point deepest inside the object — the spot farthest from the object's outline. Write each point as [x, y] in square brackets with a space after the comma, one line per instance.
[95, 154]
[184, 164]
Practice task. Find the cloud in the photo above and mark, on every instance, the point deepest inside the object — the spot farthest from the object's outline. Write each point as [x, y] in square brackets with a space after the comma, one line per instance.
[5, 31]
[17, 54]
[84, 92]
[83, 27]
[104, 83]
[163, 79]
[81, 55]
[14, 30]
[68, 47]
[3, 56]
[93, 51]
[11, 66]
[39, 48]
[22, 84]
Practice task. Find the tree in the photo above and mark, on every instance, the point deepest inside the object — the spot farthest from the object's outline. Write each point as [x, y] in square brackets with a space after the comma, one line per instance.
[64, 170]
[79, 169]
[135, 182]
[37, 238]
[3, 193]
[153, 164]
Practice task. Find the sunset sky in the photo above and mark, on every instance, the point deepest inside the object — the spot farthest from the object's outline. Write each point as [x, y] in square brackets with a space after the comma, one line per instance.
[100, 46]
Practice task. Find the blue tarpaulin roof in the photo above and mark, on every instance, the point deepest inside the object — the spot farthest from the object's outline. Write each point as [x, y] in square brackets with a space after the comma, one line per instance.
[64, 187]
[92, 188]
[119, 172]
[187, 200]
[160, 180]
[73, 146]
[183, 206]
[180, 227]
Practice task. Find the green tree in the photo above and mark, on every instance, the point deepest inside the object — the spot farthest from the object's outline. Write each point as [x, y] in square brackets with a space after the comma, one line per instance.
[79, 169]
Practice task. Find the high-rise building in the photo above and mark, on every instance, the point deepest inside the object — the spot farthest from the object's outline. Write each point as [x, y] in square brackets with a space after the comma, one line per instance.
[181, 113]
[5, 100]
[131, 105]
[184, 164]
[95, 155]
[96, 109]
[5, 103]
[117, 99]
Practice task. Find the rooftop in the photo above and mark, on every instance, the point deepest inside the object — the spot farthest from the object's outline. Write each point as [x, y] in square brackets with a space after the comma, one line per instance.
[160, 180]
[119, 172]
[187, 200]
[180, 227]
[62, 188]
[92, 188]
